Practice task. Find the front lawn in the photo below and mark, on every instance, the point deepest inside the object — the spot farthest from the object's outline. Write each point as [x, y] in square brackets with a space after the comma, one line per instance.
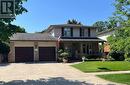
[99, 66]
[118, 78]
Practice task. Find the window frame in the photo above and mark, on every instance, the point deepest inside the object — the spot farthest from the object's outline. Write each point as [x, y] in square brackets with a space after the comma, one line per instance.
[67, 32]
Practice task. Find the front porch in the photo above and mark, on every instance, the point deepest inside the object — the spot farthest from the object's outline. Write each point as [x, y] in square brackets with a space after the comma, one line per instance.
[79, 49]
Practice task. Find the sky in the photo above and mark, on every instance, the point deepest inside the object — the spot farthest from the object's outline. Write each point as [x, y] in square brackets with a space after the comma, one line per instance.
[42, 13]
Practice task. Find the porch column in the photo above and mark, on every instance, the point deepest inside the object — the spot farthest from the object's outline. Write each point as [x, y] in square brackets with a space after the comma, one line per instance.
[81, 49]
[103, 46]
[36, 55]
[11, 56]
[102, 50]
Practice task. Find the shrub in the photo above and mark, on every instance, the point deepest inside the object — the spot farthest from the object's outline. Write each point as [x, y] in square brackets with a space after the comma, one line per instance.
[4, 50]
[93, 56]
[127, 59]
[117, 55]
[64, 55]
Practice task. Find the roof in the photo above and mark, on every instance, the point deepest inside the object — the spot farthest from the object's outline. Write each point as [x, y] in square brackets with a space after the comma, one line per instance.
[69, 25]
[32, 36]
[73, 25]
[106, 31]
[81, 39]
[48, 37]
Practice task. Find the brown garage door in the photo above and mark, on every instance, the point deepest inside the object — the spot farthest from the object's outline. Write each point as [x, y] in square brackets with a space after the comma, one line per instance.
[47, 54]
[24, 54]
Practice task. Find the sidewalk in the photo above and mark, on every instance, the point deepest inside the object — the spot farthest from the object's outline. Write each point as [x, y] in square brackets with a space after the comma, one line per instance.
[112, 72]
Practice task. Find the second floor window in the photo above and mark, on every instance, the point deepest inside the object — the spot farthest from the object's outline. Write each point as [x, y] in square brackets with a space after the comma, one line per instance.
[67, 32]
[81, 32]
[89, 32]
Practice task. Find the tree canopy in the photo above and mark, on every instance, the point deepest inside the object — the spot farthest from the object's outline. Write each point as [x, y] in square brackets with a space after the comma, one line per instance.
[120, 40]
[74, 21]
[106, 25]
[4, 48]
[122, 8]
[19, 9]
[120, 18]
[6, 28]
[101, 25]
[122, 12]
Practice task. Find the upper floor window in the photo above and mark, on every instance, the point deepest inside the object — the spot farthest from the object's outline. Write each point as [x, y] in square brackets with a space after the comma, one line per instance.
[67, 32]
[89, 32]
[81, 32]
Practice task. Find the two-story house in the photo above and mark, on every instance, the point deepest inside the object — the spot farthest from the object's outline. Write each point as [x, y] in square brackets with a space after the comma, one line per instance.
[78, 39]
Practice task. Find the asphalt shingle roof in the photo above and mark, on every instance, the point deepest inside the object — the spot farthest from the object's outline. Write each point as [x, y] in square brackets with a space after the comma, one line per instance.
[47, 37]
[33, 36]
[73, 25]
[68, 25]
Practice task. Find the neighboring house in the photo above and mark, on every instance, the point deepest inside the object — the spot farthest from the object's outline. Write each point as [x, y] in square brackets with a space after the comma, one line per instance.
[78, 39]
[104, 35]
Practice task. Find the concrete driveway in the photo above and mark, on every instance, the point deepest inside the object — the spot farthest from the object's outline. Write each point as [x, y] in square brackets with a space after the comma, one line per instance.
[46, 74]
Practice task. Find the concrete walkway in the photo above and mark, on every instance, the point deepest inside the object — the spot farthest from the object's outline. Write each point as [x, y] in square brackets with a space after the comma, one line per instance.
[47, 74]
[112, 72]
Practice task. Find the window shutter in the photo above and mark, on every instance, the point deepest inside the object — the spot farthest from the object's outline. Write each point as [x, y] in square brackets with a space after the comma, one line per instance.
[80, 32]
[89, 32]
[83, 32]
[71, 32]
[62, 31]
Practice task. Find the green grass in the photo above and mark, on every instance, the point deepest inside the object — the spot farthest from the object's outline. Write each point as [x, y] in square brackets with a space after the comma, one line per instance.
[118, 78]
[99, 66]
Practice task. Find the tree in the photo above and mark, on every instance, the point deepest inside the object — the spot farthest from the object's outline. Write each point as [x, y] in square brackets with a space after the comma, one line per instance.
[19, 29]
[120, 40]
[112, 23]
[6, 28]
[101, 25]
[73, 21]
[4, 50]
[122, 11]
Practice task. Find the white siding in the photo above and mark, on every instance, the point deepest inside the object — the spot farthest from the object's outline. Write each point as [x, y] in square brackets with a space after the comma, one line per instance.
[104, 36]
[86, 32]
[93, 32]
[76, 32]
[58, 32]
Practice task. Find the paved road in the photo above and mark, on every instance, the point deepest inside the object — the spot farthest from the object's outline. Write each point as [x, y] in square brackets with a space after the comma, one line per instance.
[46, 74]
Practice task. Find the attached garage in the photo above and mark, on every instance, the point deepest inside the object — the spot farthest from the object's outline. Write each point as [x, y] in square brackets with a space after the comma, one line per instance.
[47, 54]
[24, 54]
[29, 47]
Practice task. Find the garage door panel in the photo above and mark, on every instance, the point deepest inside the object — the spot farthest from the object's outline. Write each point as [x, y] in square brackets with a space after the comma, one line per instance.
[47, 54]
[24, 54]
